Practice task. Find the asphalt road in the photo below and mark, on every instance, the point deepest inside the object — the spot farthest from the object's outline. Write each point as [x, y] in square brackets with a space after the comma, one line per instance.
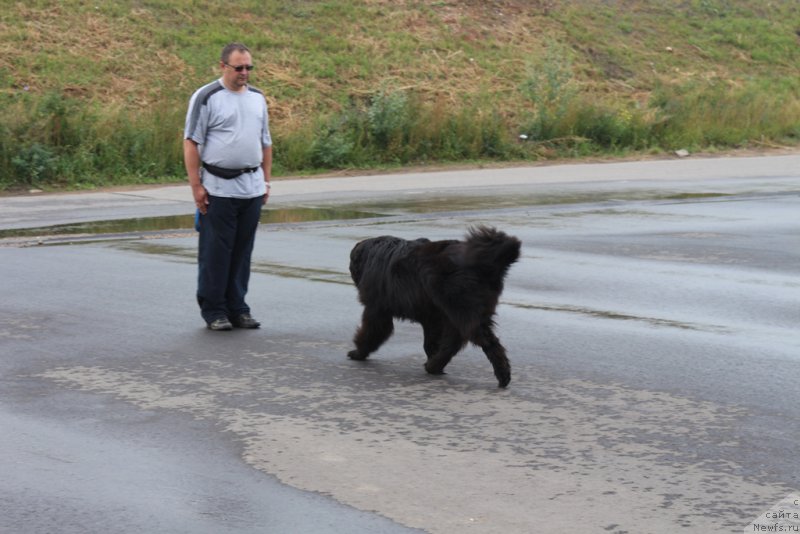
[651, 324]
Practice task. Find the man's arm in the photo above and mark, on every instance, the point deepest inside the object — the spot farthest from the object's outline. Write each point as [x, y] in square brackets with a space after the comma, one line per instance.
[191, 160]
[266, 165]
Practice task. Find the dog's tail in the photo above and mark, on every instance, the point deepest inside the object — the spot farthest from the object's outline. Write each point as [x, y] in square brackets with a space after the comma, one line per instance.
[491, 251]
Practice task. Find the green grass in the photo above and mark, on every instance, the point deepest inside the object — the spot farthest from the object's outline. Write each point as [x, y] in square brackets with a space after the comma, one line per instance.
[94, 93]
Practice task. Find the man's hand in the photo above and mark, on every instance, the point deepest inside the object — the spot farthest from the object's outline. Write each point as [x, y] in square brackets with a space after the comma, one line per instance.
[200, 198]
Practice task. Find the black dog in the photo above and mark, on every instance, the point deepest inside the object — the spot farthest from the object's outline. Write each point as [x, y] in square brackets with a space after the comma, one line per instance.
[449, 287]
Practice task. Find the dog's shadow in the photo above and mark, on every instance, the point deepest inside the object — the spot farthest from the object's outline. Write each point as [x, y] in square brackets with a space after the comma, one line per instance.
[407, 370]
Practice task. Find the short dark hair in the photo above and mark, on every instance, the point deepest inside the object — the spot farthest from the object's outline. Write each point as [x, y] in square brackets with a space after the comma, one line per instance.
[230, 49]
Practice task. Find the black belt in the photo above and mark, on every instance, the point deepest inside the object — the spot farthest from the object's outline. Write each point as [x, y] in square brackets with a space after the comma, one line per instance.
[227, 174]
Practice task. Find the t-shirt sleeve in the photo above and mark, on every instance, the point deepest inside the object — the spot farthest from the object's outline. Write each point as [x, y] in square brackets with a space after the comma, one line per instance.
[196, 120]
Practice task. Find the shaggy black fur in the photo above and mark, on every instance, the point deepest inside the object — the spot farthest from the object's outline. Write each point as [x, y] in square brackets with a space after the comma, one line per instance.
[450, 287]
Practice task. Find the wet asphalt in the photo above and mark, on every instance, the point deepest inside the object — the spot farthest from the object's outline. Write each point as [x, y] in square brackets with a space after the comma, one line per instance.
[651, 324]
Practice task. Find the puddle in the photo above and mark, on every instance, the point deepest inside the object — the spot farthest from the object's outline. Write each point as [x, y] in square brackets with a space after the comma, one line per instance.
[149, 224]
[694, 196]
[429, 204]
[470, 201]
[293, 271]
[189, 255]
[602, 314]
[180, 222]
[176, 253]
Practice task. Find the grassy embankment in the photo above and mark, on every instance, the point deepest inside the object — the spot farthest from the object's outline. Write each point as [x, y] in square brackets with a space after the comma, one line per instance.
[94, 93]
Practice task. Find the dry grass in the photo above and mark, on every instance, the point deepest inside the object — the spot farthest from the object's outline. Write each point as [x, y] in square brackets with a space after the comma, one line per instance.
[312, 58]
[455, 57]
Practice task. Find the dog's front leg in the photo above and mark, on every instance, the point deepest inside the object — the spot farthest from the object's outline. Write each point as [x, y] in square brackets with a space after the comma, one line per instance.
[450, 343]
[432, 332]
[376, 327]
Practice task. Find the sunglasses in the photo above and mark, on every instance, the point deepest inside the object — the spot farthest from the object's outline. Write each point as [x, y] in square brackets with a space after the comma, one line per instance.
[240, 68]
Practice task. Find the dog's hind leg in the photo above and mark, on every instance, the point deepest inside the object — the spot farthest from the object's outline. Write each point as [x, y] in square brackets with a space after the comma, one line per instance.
[450, 343]
[376, 327]
[486, 339]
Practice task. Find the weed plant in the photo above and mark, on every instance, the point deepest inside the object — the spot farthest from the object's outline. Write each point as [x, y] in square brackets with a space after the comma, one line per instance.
[95, 94]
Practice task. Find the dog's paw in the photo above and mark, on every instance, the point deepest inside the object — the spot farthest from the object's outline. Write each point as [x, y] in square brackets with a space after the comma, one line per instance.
[503, 379]
[355, 355]
[432, 369]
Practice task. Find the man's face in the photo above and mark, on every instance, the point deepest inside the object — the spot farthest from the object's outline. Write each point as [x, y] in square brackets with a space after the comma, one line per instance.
[232, 78]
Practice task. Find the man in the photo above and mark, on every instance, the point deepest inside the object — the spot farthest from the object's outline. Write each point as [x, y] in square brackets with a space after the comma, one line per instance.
[227, 151]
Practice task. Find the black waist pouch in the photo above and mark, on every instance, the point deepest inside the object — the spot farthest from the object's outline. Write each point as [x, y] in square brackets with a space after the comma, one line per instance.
[227, 174]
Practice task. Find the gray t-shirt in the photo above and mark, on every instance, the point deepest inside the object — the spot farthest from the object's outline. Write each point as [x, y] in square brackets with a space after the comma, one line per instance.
[231, 130]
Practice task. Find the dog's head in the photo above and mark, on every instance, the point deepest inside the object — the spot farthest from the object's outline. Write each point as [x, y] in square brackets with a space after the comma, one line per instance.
[357, 261]
[376, 253]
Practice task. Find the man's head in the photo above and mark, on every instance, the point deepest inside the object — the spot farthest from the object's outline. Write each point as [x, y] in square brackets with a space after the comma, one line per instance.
[236, 56]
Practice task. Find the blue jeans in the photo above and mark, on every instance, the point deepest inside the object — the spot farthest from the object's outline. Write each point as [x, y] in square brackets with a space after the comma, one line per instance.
[227, 234]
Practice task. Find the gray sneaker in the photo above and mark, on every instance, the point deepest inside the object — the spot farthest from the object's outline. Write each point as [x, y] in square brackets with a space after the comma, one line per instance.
[220, 324]
[245, 320]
